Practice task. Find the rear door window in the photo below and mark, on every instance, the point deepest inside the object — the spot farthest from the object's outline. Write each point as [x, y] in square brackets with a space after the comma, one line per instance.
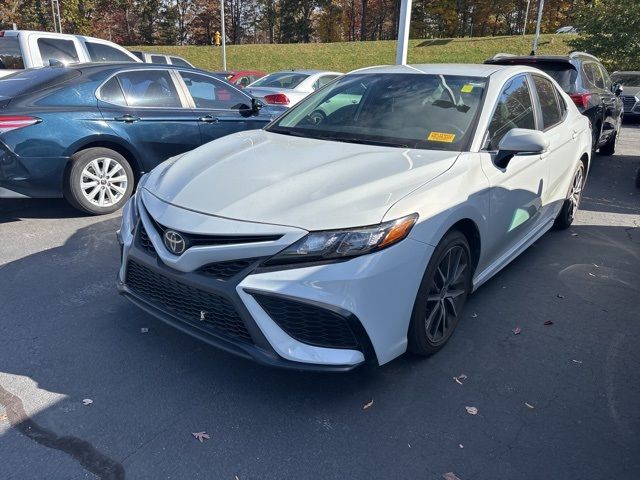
[149, 88]
[322, 81]
[549, 102]
[158, 59]
[10, 54]
[111, 92]
[513, 110]
[99, 52]
[180, 62]
[64, 51]
[211, 93]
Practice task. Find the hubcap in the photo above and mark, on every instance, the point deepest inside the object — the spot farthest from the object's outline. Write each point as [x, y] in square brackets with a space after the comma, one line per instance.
[104, 182]
[575, 193]
[447, 291]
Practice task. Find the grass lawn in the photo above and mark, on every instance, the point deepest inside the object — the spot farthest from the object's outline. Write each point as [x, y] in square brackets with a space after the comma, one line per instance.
[347, 56]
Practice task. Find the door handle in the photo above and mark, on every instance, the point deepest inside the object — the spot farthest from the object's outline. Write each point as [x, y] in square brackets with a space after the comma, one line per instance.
[127, 118]
[208, 119]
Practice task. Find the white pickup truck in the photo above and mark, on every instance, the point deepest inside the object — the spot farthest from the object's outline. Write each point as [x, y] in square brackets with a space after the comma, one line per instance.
[21, 49]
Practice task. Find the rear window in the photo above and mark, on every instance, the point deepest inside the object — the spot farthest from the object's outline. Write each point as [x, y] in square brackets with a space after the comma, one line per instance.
[158, 59]
[564, 74]
[34, 80]
[10, 54]
[179, 62]
[281, 80]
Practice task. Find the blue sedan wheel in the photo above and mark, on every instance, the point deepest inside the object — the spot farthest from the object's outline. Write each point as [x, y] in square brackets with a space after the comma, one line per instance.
[99, 181]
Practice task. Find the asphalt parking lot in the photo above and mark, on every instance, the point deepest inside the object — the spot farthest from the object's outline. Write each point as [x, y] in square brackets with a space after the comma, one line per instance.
[554, 401]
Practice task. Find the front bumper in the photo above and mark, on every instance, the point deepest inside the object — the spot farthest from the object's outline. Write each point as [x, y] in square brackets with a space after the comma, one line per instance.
[371, 297]
[35, 177]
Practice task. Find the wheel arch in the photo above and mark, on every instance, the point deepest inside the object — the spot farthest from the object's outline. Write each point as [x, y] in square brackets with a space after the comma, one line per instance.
[112, 143]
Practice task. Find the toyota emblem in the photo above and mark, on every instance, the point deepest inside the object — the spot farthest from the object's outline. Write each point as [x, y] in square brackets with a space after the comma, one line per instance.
[174, 242]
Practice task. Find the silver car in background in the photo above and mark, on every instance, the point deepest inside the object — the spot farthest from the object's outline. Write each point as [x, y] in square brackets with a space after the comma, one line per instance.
[289, 87]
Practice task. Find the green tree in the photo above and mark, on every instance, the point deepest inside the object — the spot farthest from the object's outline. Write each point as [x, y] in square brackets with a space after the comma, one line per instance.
[610, 31]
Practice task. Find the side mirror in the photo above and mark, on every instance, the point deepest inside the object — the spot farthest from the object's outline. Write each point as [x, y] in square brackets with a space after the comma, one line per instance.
[520, 141]
[617, 89]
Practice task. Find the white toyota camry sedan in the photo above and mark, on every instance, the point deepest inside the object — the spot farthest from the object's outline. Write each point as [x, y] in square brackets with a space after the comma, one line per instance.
[328, 241]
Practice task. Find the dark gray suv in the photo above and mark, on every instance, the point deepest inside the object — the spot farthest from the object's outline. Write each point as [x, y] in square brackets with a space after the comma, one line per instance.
[588, 84]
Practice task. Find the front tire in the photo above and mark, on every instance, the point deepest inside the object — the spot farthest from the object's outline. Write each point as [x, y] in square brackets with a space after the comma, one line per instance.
[572, 203]
[98, 181]
[442, 295]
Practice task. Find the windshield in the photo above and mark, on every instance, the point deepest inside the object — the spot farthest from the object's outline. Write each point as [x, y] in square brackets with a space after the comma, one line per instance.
[399, 110]
[281, 80]
[627, 79]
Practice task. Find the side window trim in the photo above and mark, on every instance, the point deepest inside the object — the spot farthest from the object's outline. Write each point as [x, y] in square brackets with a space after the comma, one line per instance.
[189, 99]
[183, 100]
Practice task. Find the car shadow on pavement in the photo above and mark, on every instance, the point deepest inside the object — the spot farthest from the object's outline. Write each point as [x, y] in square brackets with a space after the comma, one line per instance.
[12, 210]
[65, 328]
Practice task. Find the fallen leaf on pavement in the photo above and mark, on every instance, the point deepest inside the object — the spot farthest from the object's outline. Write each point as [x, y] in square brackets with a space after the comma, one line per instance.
[548, 322]
[516, 331]
[450, 476]
[87, 401]
[576, 361]
[367, 405]
[591, 274]
[560, 295]
[529, 405]
[3, 417]
[461, 445]
[201, 436]
[574, 234]
[144, 330]
[475, 315]
[459, 378]
[472, 410]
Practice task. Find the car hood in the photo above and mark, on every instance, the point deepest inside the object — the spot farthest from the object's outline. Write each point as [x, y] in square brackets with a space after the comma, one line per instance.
[307, 183]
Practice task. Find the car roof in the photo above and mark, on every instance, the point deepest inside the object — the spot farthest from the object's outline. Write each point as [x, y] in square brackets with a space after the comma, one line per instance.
[467, 69]
[506, 57]
[98, 67]
[308, 72]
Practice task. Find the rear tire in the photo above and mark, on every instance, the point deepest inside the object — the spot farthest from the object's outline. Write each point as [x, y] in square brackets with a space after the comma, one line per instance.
[98, 181]
[442, 295]
[572, 203]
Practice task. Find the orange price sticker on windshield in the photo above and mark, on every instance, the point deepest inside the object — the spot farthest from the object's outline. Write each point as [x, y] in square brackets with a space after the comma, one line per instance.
[441, 137]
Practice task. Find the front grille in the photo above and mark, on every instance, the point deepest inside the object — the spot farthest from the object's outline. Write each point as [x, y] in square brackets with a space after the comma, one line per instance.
[228, 269]
[628, 102]
[144, 242]
[307, 323]
[188, 303]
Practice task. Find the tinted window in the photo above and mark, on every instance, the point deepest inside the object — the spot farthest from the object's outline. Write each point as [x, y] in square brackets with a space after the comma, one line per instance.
[281, 80]
[564, 74]
[149, 88]
[322, 81]
[551, 112]
[100, 52]
[55, 49]
[513, 110]
[593, 74]
[10, 54]
[112, 93]
[34, 79]
[212, 93]
[605, 76]
[179, 61]
[140, 55]
[400, 110]
[158, 59]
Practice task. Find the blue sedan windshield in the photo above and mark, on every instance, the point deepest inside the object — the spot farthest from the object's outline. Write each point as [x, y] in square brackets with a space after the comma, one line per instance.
[404, 110]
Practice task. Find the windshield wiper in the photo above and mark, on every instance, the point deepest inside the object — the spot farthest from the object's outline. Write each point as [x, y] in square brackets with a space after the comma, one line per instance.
[363, 141]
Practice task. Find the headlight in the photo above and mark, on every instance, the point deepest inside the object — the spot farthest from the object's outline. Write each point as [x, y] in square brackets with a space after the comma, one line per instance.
[336, 245]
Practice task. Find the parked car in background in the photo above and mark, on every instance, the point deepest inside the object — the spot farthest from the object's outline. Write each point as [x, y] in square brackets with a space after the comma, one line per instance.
[20, 49]
[161, 58]
[630, 81]
[240, 78]
[588, 84]
[289, 87]
[87, 132]
[327, 245]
